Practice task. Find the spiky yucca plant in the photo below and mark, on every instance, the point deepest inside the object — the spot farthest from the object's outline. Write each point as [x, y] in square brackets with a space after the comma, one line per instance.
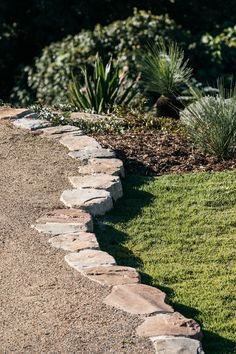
[103, 90]
[211, 121]
[163, 68]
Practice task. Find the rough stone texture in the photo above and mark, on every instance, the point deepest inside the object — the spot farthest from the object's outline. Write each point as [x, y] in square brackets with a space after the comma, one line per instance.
[89, 258]
[59, 131]
[64, 221]
[111, 184]
[14, 113]
[105, 166]
[114, 275]
[180, 345]
[75, 242]
[31, 123]
[74, 141]
[92, 152]
[171, 324]
[138, 299]
[95, 201]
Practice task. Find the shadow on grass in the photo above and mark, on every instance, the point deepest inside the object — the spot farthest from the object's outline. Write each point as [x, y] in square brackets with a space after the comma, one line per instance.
[112, 240]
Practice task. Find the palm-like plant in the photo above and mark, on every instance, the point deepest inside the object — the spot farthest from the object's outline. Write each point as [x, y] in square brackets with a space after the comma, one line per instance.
[211, 121]
[103, 90]
[164, 69]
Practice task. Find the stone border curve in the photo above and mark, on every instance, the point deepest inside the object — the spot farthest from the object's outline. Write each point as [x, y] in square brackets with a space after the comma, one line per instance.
[94, 191]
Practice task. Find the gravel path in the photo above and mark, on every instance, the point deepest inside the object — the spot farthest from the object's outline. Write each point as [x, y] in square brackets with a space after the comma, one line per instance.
[45, 306]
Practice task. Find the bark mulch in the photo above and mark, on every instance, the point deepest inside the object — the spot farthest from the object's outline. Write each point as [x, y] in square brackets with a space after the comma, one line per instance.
[155, 153]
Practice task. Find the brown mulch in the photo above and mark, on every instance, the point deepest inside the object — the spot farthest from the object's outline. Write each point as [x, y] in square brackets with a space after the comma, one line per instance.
[154, 153]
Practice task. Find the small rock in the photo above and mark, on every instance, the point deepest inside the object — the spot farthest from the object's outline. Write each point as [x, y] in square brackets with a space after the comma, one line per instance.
[105, 166]
[76, 141]
[114, 275]
[92, 152]
[89, 258]
[75, 242]
[63, 221]
[169, 324]
[138, 299]
[59, 131]
[95, 201]
[31, 123]
[111, 184]
[179, 345]
[14, 113]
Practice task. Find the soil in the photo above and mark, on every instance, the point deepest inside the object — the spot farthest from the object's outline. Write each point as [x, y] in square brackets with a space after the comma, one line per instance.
[155, 153]
[46, 306]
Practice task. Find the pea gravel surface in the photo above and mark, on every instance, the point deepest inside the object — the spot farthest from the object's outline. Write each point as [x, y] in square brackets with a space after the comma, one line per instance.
[46, 306]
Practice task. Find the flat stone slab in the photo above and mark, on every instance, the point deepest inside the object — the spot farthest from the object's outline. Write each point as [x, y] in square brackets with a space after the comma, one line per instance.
[169, 324]
[31, 123]
[89, 259]
[14, 113]
[63, 221]
[111, 184]
[113, 275]
[59, 131]
[95, 201]
[177, 345]
[76, 141]
[92, 152]
[105, 166]
[75, 242]
[88, 117]
[138, 299]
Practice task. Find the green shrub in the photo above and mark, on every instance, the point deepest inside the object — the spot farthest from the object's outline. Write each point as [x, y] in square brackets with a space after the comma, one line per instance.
[211, 122]
[50, 76]
[102, 91]
[163, 68]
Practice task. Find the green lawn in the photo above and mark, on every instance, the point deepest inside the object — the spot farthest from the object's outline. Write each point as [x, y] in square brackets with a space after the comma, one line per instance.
[180, 232]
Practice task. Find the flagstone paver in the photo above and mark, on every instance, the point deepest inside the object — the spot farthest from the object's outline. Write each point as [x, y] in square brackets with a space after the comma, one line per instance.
[59, 131]
[108, 166]
[88, 259]
[177, 345]
[169, 324]
[138, 299]
[113, 275]
[109, 183]
[30, 123]
[75, 242]
[95, 201]
[92, 152]
[74, 141]
[63, 221]
[14, 113]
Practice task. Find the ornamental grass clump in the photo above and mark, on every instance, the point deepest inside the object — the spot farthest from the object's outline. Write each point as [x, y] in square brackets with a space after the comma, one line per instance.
[211, 122]
[102, 91]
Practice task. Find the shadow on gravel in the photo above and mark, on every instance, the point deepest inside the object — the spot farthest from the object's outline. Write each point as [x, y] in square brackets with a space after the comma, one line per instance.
[111, 241]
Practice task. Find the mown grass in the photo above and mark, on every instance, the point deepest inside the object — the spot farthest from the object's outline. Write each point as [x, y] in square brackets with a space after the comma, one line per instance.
[180, 232]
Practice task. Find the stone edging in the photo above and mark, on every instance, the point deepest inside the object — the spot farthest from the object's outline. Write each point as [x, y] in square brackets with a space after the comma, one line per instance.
[94, 192]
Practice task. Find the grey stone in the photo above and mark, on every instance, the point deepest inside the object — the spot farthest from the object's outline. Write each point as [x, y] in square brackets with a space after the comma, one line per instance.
[74, 141]
[105, 166]
[31, 123]
[92, 152]
[138, 299]
[59, 131]
[113, 275]
[63, 221]
[75, 242]
[111, 184]
[177, 345]
[89, 258]
[14, 113]
[169, 324]
[95, 201]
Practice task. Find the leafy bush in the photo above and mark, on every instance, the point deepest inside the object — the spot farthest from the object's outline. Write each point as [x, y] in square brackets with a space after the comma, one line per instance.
[164, 69]
[211, 122]
[102, 91]
[49, 78]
